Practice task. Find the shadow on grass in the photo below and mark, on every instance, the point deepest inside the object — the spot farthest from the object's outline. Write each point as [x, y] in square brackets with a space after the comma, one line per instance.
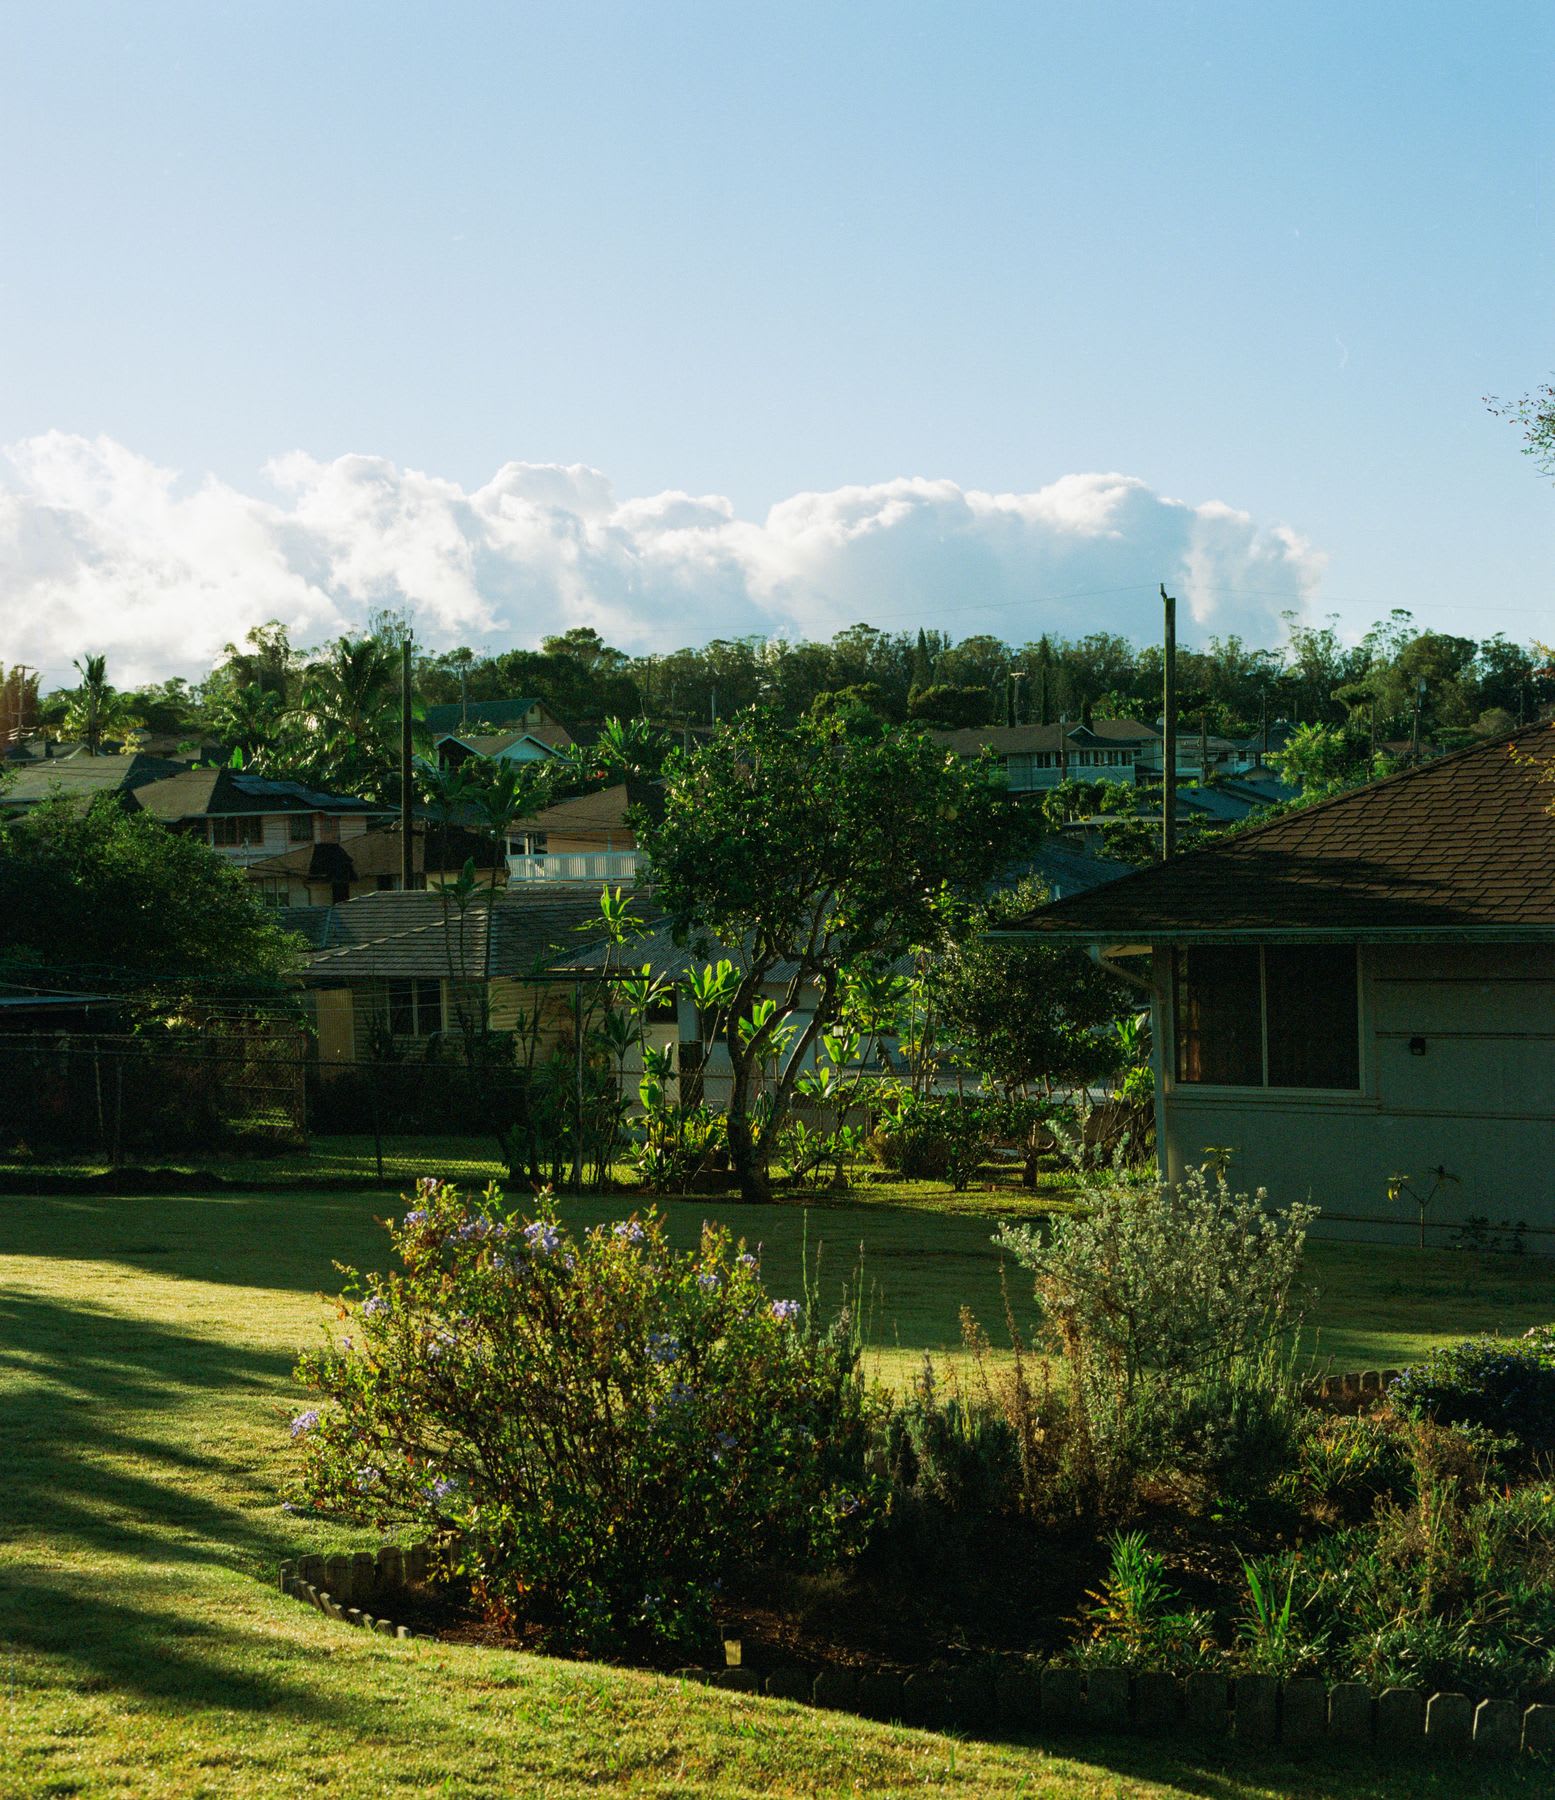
[123, 1525]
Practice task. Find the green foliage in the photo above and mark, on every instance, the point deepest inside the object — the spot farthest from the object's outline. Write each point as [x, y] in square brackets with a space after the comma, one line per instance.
[951, 707]
[1017, 1011]
[1136, 1617]
[599, 1428]
[120, 901]
[964, 1458]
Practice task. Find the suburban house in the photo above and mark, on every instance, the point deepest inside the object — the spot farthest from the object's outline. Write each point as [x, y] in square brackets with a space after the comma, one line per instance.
[522, 730]
[586, 838]
[402, 965]
[250, 818]
[329, 872]
[82, 778]
[1359, 992]
[1042, 756]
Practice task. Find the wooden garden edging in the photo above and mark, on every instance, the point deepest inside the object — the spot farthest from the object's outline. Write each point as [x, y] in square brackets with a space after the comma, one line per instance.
[1020, 1695]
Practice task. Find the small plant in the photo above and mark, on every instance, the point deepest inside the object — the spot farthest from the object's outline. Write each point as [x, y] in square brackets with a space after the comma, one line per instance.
[1402, 1187]
[1269, 1630]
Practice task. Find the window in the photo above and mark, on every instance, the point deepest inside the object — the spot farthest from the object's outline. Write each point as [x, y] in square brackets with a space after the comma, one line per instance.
[329, 829]
[234, 833]
[274, 890]
[1279, 1017]
[300, 828]
[415, 1007]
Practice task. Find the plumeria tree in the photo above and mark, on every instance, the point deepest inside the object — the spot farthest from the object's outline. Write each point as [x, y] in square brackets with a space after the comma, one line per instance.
[814, 854]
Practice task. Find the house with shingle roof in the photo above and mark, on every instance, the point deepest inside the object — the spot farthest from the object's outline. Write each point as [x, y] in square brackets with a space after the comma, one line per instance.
[251, 818]
[400, 965]
[1361, 989]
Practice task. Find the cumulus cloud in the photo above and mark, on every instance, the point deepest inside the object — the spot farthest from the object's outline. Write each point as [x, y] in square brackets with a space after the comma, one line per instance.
[102, 550]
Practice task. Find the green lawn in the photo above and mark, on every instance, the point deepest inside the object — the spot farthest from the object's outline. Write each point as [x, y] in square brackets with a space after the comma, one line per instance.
[145, 1353]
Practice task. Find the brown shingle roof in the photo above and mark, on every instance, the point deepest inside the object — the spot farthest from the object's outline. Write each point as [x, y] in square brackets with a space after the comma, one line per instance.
[1463, 845]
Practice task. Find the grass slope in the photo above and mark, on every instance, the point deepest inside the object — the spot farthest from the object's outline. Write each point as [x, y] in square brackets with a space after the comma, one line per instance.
[145, 1354]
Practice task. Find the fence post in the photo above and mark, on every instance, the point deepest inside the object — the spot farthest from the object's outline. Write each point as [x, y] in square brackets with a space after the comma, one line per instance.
[377, 1122]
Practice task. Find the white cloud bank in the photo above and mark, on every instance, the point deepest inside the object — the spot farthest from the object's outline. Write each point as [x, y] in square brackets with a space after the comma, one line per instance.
[101, 550]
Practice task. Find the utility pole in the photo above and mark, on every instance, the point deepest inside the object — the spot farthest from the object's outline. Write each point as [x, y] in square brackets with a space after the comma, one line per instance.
[407, 837]
[1169, 728]
[1414, 736]
[464, 696]
[1263, 728]
[1017, 676]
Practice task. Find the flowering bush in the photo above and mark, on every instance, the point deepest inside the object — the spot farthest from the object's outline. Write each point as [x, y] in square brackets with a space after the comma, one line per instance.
[600, 1428]
[1505, 1387]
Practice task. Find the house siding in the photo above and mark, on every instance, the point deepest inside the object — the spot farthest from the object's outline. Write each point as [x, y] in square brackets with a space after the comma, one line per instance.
[1479, 1100]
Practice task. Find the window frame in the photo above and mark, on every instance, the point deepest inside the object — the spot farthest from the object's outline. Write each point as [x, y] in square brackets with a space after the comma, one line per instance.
[1263, 1085]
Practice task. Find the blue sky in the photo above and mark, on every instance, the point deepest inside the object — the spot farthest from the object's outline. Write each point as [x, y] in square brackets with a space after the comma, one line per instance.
[1265, 257]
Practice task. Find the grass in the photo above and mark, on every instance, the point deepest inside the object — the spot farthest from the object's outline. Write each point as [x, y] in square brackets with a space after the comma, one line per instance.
[145, 1354]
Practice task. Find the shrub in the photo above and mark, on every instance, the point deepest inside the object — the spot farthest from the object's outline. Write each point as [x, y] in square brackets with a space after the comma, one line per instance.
[1166, 1301]
[1507, 1388]
[599, 1428]
[1345, 1464]
[937, 1136]
[964, 1457]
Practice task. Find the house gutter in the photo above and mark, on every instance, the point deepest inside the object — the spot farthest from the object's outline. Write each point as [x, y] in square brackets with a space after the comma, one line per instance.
[1113, 944]
[1102, 957]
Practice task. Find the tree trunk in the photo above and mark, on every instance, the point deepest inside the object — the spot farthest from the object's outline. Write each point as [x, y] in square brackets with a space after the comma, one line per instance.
[748, 1160]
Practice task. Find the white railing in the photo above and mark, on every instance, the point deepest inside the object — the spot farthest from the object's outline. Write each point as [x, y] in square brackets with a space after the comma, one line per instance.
[576, 865]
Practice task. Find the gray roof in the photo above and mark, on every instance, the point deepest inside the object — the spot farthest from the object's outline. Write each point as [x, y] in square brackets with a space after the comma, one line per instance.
[84, 777]
[422, 933]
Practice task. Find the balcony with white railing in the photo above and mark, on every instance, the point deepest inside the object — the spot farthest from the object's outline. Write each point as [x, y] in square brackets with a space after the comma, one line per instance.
[604, 866]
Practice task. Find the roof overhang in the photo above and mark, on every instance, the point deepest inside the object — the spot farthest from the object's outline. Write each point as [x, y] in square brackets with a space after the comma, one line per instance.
[1115, 943]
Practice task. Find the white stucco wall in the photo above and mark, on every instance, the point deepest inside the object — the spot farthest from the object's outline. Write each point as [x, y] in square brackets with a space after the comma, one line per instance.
[1480, 1100]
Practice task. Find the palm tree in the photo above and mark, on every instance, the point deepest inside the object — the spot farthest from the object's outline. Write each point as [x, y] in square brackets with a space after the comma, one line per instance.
[97, 707]
[350, 711]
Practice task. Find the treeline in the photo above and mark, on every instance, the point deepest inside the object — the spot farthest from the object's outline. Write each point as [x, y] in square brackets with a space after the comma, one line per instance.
[347, 692]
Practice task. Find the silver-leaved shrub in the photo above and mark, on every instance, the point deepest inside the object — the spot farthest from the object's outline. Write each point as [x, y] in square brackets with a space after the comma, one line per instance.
[1169, 1302]
[599, 1428]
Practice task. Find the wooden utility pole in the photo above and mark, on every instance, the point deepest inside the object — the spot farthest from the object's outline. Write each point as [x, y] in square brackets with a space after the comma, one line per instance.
[407, 829]
[1169, 729]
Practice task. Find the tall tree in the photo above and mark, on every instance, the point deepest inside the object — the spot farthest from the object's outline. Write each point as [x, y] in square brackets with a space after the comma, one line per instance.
[813, 855]
[97, 709]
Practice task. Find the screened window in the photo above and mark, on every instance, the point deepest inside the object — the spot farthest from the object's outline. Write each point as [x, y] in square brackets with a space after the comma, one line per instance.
[300, 828]
[1272, 1017]
[415, 1007]
[232, 833]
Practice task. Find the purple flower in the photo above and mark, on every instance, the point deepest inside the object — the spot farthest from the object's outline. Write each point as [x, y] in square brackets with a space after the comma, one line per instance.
[305, 1421]
[367, 1476]
[709, 1281]
[443, 1488]
[748, 1261]
[663, 1346]
[785, 1311]
[416, 1216]
[725, 1440]
[629, 1231]
[373, 1305]
[428, 1187]
[439, 1341]
[542, 1236]
[473, 1229]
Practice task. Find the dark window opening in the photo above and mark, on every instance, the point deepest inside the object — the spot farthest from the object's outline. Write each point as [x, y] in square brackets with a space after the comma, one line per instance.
[415, 1007]
[1219, 1016]
[300, 828]
[1279, 1017]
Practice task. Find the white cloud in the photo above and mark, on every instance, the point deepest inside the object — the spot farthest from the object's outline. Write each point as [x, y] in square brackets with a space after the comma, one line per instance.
[102, 550]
